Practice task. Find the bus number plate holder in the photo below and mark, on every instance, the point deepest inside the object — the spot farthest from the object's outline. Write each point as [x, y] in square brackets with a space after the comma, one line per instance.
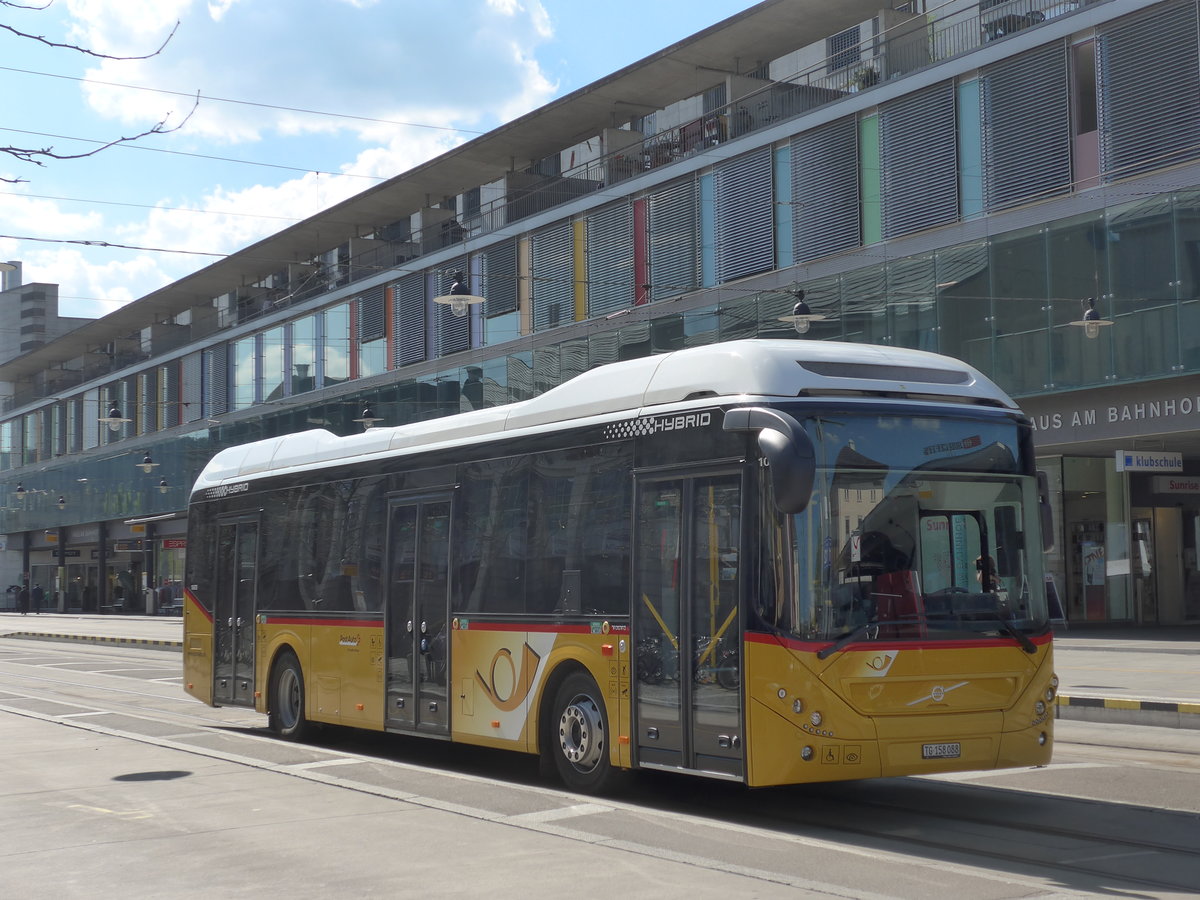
[941, 751]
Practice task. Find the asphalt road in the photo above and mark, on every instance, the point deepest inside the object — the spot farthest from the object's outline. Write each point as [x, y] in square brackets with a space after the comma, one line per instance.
[115, 784]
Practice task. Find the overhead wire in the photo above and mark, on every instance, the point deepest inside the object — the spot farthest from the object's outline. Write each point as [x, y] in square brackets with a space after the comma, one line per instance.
[254, 103]
[148, 149]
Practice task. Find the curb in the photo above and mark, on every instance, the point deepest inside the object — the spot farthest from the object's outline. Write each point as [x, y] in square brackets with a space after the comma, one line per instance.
[133, 642]
[1120, 711]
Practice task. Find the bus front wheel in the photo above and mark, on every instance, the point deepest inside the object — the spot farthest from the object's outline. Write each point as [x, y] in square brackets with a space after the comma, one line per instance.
[286, 714]
[579, 738]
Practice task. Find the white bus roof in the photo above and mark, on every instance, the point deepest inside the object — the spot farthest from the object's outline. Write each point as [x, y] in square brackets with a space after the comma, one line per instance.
[724, 372]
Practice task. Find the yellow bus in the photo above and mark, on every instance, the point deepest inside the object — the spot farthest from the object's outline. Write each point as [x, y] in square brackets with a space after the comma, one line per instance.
[767, 561]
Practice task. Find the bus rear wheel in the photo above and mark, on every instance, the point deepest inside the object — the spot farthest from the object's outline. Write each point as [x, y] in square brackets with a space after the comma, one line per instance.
[579, 738]
[286, 713]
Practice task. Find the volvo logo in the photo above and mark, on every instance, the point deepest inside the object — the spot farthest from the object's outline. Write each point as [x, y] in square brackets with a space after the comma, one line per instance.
[938, 693]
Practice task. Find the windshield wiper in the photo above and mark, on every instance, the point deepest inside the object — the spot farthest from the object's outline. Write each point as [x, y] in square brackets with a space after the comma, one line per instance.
[1021, 637]
[862, 631]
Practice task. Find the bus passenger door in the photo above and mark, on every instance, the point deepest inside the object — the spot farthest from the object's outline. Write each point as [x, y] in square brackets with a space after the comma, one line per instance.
[687, 631]
[416, 615]
[233, 613]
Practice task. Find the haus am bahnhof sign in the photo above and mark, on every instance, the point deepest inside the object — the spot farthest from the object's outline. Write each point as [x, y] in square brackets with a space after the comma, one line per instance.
[1122, 413]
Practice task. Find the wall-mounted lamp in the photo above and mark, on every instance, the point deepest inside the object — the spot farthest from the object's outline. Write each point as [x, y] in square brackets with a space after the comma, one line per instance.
[368, 418]
[114, 420]
[1091, 323]
[147, 464]
[62, 502]
[460, 298]
[20, 491]
[802, 316]
[163, 487]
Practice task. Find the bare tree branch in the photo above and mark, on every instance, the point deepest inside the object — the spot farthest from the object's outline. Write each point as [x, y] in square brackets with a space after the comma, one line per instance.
[42, 39]
[37, 156]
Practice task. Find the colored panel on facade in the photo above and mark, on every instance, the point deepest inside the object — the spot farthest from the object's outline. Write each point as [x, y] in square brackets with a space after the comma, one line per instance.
[970, 150]
[641, 264]
[581, 285]
[783, 207]
[708, 231]
[870, 182]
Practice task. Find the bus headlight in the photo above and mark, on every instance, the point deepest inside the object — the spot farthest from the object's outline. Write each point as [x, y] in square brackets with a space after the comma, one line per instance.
[797, 706]
[1042, 739]
[1039, 708]
[815, 718]
[806, 753]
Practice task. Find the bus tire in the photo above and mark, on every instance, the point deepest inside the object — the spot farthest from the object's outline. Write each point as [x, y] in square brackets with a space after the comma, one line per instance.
[285, 715]
[579, 736]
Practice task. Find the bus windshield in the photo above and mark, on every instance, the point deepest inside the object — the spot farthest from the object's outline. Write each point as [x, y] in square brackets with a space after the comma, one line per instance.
[920, 528]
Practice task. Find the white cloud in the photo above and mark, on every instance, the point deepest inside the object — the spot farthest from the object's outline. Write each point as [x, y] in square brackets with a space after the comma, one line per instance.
[36, 217]
[453, 63]
[467, 59]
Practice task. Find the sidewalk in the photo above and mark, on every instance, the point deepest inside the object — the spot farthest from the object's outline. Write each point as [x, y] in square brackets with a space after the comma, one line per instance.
[162, 632]
[1142, 676]
[1125, 675]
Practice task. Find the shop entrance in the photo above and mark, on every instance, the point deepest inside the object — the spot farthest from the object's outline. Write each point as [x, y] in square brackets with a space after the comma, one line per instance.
[1166, 583]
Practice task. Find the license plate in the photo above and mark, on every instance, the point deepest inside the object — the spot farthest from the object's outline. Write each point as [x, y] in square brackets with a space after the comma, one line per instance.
[941, 751]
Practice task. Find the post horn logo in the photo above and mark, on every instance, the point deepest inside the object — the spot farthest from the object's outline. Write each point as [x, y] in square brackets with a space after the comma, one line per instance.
[522, 680]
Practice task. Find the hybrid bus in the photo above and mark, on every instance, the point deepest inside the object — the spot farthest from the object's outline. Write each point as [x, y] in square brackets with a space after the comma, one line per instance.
[768, 561]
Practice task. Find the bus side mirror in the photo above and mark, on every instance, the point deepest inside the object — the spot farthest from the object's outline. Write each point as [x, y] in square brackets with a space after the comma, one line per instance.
[1043, 484]
[791, 459]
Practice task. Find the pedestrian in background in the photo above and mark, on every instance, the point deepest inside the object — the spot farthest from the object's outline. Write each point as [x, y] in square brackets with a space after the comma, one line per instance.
[23, 600]
[36, 596]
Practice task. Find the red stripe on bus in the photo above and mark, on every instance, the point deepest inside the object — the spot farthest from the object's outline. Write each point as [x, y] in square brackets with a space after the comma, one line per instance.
[337, 623]
[814, 646]
[540, 629]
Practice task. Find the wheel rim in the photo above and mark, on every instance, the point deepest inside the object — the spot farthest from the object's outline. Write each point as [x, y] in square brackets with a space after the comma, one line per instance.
[289, 698]
[581, 733]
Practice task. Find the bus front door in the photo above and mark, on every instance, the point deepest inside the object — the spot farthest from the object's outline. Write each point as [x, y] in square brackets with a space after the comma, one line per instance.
[687, 631]
[233, 613]
[416, 615]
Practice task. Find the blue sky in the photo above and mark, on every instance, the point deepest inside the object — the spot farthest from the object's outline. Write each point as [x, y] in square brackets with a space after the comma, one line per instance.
[403, 80]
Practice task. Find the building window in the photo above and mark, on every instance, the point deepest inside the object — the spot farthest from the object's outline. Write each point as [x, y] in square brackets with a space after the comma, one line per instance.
[842, 49]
